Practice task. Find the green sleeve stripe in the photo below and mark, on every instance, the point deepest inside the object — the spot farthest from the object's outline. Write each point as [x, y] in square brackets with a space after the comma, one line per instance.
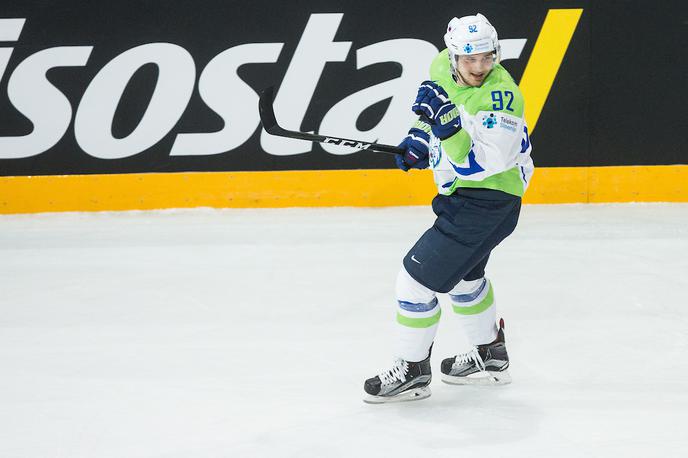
[457, 146]
[479, 307]
[419, 322]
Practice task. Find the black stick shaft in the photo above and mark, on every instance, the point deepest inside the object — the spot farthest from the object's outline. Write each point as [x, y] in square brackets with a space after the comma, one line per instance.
[267, 117]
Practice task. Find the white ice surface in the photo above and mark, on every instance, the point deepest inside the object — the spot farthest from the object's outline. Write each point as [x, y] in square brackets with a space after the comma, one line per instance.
[242, 333]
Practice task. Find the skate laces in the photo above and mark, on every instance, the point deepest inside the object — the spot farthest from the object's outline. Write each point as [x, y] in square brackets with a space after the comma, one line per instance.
[397, 372]
[470, 357]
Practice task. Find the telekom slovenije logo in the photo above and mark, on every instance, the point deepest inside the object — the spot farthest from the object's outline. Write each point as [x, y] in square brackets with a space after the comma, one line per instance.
[489, 121]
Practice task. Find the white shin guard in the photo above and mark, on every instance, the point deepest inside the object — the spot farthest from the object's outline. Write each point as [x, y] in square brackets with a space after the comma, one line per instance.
[418, 314]
[473, 303]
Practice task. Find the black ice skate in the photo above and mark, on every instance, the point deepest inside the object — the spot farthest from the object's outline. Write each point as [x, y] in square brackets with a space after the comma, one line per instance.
[405, 381]
[484, 365]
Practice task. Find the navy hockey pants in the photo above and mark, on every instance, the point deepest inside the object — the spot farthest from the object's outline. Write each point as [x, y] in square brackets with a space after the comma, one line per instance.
[470, 224]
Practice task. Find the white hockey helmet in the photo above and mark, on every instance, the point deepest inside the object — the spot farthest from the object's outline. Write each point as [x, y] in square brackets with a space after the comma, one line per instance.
[471, 35]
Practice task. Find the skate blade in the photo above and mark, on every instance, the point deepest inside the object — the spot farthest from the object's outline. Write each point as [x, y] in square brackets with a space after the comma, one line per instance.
[479, 378]
[415, 394]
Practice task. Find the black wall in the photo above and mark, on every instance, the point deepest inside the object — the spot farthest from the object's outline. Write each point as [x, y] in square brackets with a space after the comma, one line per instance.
[617, 98]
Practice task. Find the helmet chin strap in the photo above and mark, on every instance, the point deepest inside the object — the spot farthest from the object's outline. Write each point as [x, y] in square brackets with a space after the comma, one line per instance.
[458, 79]
[456, 74]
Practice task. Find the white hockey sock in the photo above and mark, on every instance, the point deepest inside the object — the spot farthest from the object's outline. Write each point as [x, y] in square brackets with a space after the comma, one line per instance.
[418, 315]
[474, 305]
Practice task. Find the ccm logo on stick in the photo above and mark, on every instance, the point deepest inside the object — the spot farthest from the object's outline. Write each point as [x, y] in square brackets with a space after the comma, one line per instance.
[342, 142]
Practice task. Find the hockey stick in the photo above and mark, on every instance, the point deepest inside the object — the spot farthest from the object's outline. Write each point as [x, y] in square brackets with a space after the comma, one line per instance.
[267, 117]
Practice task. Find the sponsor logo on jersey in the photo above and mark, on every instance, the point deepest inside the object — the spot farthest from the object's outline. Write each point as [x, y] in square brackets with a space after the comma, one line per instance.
[490, 120]
[508, 123]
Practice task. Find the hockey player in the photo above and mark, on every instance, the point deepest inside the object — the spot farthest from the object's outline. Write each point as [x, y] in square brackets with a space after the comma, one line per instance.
[472, 133]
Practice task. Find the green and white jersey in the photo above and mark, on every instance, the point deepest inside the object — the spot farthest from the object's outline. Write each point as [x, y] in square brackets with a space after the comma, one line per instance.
[492, 149]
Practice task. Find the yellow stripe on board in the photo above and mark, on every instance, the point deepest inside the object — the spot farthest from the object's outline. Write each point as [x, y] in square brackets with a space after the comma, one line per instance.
[545, 60]
[326, 188]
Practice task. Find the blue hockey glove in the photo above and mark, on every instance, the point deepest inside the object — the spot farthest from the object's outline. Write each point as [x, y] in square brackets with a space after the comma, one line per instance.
[416, 144]
[433, 102]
